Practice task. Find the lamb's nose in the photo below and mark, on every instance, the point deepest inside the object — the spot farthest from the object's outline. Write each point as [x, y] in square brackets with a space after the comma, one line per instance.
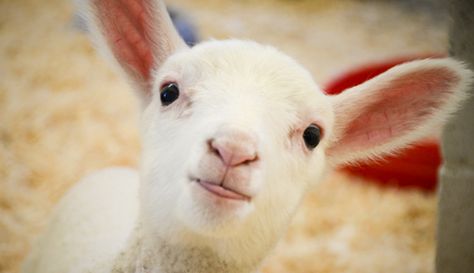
[234, 148]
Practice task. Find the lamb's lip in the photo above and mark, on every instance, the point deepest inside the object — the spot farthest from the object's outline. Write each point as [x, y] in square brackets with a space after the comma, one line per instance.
[221, 191]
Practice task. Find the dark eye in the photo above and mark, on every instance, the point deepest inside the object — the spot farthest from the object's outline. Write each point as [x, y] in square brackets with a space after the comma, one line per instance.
[312, 136]
[169, 93]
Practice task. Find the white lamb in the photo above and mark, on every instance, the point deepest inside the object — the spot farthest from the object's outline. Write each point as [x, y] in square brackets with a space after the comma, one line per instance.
[234, 133]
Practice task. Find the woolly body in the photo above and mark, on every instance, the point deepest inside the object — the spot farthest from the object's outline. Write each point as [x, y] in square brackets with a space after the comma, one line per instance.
[89, 241]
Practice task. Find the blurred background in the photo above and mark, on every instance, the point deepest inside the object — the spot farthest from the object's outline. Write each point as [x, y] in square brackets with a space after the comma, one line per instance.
[64, 112]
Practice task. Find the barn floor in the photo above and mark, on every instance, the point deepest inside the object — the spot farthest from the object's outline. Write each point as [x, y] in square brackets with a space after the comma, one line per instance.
[64, 113]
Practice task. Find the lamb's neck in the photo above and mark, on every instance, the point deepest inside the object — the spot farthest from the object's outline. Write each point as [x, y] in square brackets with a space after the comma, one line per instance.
[156, 255]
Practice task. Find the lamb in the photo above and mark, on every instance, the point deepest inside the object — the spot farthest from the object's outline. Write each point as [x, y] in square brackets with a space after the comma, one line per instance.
[234, 133]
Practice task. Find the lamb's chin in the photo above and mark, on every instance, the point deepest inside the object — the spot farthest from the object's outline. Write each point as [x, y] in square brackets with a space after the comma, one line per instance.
[212, 215]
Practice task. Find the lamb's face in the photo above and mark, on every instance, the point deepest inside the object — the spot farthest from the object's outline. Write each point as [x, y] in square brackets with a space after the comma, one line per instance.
[223, 139]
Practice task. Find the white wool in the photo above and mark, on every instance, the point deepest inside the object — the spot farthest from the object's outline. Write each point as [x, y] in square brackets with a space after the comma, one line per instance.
[94, 235]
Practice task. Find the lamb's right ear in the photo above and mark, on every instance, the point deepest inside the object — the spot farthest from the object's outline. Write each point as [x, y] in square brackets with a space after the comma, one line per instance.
[137, 34]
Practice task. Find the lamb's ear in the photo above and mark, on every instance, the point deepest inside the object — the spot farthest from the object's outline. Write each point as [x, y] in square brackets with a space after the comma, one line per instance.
[400, 106]
[137, 34]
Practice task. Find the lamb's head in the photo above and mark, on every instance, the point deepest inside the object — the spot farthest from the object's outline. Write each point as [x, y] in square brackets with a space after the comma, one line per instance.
[233, 129]
[235, 132]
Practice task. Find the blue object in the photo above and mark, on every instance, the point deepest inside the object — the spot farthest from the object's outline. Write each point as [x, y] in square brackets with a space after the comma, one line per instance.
[184, 27]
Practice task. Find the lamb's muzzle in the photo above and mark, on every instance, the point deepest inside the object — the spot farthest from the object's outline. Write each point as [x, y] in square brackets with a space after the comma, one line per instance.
[226, 166]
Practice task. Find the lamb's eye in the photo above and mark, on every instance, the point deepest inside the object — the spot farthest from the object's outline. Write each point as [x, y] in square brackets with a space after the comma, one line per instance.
[169, 93]
[312, 136]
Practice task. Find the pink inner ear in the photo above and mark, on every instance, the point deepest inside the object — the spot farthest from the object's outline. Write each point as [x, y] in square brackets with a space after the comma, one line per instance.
[401, 106]
[127, 26]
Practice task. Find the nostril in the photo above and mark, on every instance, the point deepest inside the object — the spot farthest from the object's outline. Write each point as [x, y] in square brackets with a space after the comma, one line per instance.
[213, 149]
[251, 159]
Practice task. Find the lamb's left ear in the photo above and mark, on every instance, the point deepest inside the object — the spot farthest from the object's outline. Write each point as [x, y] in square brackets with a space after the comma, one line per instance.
[396, 108]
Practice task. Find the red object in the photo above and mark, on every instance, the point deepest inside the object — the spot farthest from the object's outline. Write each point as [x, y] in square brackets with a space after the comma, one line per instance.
[415, 167]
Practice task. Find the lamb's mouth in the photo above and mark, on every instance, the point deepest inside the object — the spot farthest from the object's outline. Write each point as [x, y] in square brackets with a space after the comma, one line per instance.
[221, 191]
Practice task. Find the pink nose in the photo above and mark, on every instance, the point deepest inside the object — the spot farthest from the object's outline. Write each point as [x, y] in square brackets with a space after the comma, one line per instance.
[234, 148]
